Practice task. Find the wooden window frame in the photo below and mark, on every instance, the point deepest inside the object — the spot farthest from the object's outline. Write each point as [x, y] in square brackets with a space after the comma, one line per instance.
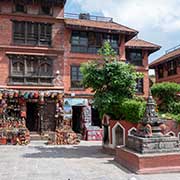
[15, 8]
[31, 78]
[78, 79]
[37, 37]
[140, 86]
[44, 14]
[160, 71]
[91, 48]
[172, 67]
[136, 62]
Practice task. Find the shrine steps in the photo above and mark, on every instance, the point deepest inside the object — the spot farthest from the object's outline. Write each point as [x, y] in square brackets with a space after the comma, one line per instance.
[35, 136]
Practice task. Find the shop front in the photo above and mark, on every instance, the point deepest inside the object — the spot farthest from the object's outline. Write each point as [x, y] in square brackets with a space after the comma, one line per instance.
[34, 111]
[83, 118]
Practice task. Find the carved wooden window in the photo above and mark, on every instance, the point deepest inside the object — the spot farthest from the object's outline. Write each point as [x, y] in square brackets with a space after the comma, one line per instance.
[18, 67]
[32, 66]
[76, 77]
[172, 67]
[31, 33]
[134, 57]
[31, 70]
[46, 68]
[140, 86]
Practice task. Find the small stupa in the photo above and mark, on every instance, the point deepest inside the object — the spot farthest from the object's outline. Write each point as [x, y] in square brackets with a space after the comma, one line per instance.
[149, 137]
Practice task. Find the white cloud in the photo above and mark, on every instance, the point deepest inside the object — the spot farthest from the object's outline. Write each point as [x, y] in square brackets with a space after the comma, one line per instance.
[140, 14]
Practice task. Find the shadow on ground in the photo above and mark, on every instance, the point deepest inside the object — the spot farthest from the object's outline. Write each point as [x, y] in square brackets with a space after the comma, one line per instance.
[67, 152]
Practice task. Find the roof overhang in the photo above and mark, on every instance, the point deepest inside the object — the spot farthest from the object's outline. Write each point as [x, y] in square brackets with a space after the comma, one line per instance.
[149, 49]
[47, 2]
[153, 64]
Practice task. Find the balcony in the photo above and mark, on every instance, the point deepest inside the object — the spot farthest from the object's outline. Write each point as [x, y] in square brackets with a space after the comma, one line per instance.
[87, 16]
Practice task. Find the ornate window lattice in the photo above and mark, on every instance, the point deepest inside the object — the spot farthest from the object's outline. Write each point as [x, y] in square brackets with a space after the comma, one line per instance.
[30, 69]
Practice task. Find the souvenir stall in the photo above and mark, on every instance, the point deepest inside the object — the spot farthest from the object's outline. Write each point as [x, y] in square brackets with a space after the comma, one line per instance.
[25, 111]
[12, 119]
[79, 115]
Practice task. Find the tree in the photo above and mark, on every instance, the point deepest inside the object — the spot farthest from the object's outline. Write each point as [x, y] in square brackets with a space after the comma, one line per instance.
[111, 80]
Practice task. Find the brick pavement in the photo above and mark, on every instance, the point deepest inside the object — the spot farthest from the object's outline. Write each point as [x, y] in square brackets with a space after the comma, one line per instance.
[83, 162]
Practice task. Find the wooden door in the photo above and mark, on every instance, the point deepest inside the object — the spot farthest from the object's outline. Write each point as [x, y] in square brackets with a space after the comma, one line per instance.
[49, 123]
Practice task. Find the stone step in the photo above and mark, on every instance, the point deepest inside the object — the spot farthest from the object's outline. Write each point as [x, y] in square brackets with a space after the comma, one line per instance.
[37, 137]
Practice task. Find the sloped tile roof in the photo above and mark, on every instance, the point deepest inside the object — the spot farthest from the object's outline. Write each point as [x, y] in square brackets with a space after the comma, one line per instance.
[165, 57]
[100, 24]
[142, 44]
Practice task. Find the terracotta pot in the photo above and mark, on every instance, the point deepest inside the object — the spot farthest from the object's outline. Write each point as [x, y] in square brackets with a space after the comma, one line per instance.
[3, 141]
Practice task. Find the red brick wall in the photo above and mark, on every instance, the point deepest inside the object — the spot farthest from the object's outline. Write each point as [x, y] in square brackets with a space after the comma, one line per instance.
[60, 41]
[125, 124]
[166, 78]
[32, 9]
[171, 126]
[6, 41]
[78, 58]
[4, 68]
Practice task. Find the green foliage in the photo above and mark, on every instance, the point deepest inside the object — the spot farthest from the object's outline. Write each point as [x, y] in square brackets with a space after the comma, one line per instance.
[170, 116]
[169, 106]
[133, 110]
[174, 107]
[166, 95]
[111, 80]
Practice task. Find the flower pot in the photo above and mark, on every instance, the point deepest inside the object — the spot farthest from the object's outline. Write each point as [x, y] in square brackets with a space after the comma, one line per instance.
[3, 140]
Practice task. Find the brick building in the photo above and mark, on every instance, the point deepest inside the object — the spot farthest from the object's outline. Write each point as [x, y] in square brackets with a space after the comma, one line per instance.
[41, 49]
[167, 67]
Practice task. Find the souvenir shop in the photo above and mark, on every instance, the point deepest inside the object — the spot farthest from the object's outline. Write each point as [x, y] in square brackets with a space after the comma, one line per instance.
[39, 111]
[84, 118]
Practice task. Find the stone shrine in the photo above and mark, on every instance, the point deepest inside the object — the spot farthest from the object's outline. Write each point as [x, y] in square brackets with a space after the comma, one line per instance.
[149, 137]
[149, 150]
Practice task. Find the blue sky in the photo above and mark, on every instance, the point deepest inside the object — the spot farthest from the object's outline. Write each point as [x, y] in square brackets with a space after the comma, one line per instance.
[157, 21]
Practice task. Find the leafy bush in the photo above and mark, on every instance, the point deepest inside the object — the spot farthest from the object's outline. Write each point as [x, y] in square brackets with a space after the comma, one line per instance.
[174, 107]
[133, 110]
[166, 95]
[170, 116]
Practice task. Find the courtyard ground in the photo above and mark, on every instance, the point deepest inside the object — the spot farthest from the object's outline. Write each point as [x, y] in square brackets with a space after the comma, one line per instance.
[81, 162]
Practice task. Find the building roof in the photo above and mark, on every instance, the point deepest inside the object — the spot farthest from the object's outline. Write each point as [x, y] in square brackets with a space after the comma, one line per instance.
[55, 2]
[141, 44]
[101, 25]
[165, 57]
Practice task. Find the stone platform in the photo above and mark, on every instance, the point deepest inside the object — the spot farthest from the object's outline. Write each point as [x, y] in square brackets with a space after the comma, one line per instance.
[148, 163]
[161, 144]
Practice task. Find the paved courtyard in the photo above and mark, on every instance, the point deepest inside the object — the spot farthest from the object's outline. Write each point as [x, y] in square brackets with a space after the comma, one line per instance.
[83, 162]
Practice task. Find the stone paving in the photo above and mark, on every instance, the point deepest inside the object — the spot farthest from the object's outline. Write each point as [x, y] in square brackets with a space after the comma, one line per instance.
[82, 162]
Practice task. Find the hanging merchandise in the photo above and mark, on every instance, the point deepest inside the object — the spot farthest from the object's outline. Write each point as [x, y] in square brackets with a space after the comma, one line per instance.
[16, 94]
[41, 98]
[26, 95]
[59, 96]
[11, 94]
[36, 95]
[1, 96]
[5, 95]
[46, 94]
[31, 95]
